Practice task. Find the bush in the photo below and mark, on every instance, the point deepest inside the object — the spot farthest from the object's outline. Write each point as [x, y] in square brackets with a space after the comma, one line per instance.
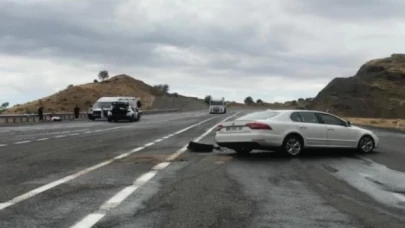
[95, 81]
[249, 100]
[162, 87]
[103, 75]
[207, 99]
[70, 86]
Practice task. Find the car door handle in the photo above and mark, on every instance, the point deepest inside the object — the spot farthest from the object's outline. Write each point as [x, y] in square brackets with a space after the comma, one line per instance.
[303, 127]
[331, 129]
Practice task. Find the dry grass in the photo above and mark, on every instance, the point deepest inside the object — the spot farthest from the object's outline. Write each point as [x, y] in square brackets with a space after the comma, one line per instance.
[390, 123]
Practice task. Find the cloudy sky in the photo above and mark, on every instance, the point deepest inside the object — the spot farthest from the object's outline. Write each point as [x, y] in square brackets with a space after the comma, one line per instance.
[275, 50]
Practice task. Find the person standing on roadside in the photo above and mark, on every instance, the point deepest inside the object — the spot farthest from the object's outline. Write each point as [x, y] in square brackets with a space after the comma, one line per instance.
[76, 112]
[41, 113]
[90, 113]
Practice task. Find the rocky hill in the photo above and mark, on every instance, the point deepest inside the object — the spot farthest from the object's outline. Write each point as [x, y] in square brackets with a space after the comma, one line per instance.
[377, 90]
[120, 85]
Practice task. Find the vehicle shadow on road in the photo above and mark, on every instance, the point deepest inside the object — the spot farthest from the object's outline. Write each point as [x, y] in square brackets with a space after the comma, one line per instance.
[313, 154]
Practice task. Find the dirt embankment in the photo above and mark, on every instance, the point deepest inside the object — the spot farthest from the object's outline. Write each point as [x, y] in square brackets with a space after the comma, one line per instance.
[181, 103]
[121, 85]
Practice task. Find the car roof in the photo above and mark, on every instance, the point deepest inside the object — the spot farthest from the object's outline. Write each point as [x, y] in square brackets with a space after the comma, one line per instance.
[295, 110]
[113, 99]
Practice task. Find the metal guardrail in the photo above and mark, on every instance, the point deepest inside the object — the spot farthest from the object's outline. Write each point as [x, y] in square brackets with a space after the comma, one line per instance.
[32, 118]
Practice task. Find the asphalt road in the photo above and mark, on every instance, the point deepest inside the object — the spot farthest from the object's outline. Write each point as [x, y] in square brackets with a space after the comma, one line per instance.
[99, 174]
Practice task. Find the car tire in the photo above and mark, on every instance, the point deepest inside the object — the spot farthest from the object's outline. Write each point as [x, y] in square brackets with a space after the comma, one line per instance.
[366, 144]
[292, 146]
[138, 117]
[243, 151]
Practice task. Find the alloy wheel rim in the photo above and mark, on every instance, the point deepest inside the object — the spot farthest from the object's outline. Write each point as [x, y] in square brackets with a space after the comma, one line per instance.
[366, 144]
[293, 146]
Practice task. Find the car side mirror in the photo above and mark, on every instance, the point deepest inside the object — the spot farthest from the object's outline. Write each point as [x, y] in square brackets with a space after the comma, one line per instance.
[349, 124]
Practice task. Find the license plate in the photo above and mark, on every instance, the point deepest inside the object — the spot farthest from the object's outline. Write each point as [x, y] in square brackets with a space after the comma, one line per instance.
[234, 128]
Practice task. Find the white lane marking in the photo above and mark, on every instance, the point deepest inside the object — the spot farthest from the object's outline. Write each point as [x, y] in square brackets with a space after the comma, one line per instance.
[149, 144]
[43, 139]
[158, 140]
[87, 132]
[90, 220]
[399, 196]
[118, 198]
[73, 134]
[1, 145]
[114, 201]
[161, 165]
[60, 136]
[76, 175]
[22, 142]
[137, 149]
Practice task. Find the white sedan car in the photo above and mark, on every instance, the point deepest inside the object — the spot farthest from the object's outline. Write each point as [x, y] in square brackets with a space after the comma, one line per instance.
[292, 131]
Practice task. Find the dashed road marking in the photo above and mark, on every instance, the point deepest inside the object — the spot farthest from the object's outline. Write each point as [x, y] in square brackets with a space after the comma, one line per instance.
[158, 140]
[149, 144]
[53, 184]
[399, 196]
[43, 139]
[22, 142]
[60, 136]
[108, 129]
[92, 219]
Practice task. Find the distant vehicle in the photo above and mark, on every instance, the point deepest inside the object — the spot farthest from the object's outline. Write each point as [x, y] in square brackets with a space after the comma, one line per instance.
[104, 104]
[291, 131]
[217, 106]
[123, 110]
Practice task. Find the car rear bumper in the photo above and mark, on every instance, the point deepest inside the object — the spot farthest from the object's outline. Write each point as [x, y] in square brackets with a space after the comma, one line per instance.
[256, 140]
[120, 117]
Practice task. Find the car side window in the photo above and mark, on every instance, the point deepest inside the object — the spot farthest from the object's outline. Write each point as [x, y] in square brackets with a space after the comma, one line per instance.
[328, 119]
[296, 117]
[309, 117]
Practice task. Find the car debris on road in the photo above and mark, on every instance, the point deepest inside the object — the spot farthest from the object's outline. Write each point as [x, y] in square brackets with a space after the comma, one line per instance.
[202, 147]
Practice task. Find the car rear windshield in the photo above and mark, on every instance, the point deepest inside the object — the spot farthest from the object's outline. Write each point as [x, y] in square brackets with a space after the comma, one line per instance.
[259, 115]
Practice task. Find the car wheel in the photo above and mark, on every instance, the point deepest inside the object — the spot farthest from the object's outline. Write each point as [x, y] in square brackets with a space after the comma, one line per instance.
[243, 151]
[292, 145]
[366, 144]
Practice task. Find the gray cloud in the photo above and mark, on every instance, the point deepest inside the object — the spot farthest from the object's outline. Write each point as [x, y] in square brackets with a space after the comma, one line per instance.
[55, 28]
[229, 39]
[346, 10]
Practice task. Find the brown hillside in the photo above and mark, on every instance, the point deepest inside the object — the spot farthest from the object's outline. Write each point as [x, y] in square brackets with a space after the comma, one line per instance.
[377, 90]
[87, 94]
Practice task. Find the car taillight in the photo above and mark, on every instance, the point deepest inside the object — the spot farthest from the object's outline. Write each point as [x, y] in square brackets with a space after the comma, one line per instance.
[219, 127]
[258, 126]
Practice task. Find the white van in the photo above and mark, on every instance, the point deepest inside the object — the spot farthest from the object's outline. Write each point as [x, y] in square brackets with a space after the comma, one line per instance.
[103, 105]
[217, 106]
